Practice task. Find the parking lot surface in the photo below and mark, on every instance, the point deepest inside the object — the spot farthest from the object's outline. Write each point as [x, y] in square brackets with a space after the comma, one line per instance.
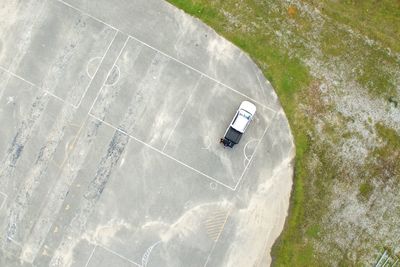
[111, 115]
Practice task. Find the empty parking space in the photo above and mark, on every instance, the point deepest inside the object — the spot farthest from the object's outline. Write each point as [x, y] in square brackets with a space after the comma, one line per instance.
[15, 100]
[103, 257]
[139, 203]
[63, 64]
[39, 134]
[149, 87]
[147, 183]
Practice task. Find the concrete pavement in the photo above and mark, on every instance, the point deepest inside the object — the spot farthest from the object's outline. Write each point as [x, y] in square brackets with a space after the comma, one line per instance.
[111, 115]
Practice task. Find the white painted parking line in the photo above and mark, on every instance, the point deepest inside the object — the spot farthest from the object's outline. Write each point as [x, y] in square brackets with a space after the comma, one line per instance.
[118, 76]
[90, 257]
[108, 74]
[162, 153]
[15, 242]
[183, 110]
[255, 150]
[93, 59]
[140, 41]
[98, 67]
[203, 74]
[87, 14]
[246, 158]
[4, 199]
[169, 56]
[219, 235]
[119, 255]
[34, 85]
[17, 76]
[59, 98]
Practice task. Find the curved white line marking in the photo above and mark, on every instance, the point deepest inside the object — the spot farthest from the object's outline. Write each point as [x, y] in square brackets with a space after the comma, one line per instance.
[213, 185]
[209, 143]
[122, 162]
[118, 76]
[246, 159]
[245, 162]
[146, 255]
[89, 63]
[244, 149]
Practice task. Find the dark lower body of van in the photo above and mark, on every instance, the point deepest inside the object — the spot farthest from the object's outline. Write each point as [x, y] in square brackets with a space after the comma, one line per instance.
[231, 138]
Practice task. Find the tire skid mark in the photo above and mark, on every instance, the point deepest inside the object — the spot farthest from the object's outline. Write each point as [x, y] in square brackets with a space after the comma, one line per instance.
[59, 192]
[69, 171]
[24, 44]
[56, 72]
[108, 162]
[27, 126]
[20, 139]
[109, 92]
[18, 208]
[91, 196]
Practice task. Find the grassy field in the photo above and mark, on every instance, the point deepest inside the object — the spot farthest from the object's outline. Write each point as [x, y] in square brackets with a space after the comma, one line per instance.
[318, 55]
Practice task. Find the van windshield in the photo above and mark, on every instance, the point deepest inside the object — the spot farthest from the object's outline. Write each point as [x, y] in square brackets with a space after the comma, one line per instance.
[245, 114]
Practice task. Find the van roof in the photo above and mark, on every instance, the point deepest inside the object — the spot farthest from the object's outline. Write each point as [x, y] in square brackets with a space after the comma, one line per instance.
[241, 120]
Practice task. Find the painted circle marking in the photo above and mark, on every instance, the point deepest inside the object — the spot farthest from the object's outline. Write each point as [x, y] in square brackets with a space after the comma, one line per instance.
[92, 66]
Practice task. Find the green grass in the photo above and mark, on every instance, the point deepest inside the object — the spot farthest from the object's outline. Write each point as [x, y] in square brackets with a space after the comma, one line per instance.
[365, 190]
[373, 77]
[376, 19]
[389, 135]
[294, 85]
[337, 44]
[386, 164]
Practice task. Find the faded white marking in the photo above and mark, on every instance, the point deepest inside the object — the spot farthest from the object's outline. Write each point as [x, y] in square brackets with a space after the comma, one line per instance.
[146, 255]
[90, 63]
[118, 76]
[162, 153]
[90, 257]
[4, 200]
[183, 110]
[208, 142]
[255, 150]
[169, 56]
[246, 158]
